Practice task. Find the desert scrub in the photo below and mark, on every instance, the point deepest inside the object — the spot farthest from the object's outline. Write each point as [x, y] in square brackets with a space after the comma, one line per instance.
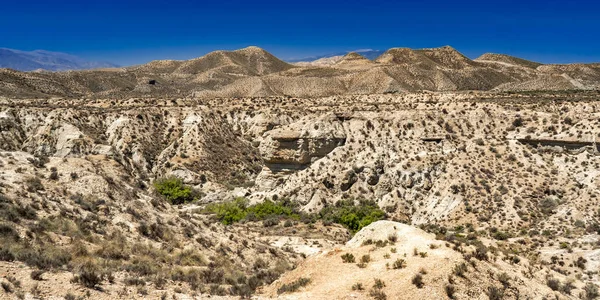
[174, 190]
[450, 290]
[399, 264]
[293, 286]
[591, 291]
[229, 212]
[348, 258]
[460, 270]
[238, 210]
[90, 274]
[417, 280]
[353, 216]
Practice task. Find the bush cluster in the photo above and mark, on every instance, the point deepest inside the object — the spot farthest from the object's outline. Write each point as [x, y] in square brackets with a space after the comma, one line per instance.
[354, 217]
[347, 213]
[238, 210]
[174, 190]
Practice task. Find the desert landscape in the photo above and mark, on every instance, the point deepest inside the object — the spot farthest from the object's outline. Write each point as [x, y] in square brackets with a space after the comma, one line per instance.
[421, 174]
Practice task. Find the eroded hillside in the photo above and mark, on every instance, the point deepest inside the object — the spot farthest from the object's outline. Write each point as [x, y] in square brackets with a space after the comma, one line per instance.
[513, 174]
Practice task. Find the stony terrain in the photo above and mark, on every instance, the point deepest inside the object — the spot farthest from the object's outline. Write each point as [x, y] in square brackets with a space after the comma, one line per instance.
[253, 72]
[487, 194]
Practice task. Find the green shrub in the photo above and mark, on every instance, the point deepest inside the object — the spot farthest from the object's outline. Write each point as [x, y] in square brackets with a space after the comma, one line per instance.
[268, 208]
[346, 213]
[173, 189]
[352, 216]
[229, 212]
[238, 210]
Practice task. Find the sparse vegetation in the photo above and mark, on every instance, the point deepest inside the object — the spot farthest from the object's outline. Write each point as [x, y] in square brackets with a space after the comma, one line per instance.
[450, 290]
[293, 286]
[591, 291]
[89, 274]
[399, 264]
[553, 283]
[503, 198]
[348, 258]
[460, 269]
[417, 280]
[378, 284]
[495, 293]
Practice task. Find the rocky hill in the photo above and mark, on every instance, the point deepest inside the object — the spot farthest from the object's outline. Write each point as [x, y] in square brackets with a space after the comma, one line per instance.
[487, 194]
[254, 72]
[507, 60]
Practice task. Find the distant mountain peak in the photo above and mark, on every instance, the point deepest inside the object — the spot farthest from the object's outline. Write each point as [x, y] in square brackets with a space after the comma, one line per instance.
[367, 53]
[354, 58]
[46, 60]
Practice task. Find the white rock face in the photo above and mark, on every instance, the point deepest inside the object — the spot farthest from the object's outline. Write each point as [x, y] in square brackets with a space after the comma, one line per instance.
[381, 230]
[294, 146]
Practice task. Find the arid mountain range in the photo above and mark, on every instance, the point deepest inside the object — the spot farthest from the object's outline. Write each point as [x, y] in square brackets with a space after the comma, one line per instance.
[253, 72]
[39, 60]
[367, 53]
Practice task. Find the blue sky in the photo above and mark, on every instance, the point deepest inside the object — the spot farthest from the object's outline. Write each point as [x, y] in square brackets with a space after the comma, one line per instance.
[133, 32]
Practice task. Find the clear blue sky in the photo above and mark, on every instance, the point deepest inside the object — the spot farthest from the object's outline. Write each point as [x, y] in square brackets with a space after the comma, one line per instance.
[133, 32]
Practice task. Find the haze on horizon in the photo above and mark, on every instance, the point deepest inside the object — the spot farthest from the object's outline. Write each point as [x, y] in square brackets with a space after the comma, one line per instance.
[135, 32]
